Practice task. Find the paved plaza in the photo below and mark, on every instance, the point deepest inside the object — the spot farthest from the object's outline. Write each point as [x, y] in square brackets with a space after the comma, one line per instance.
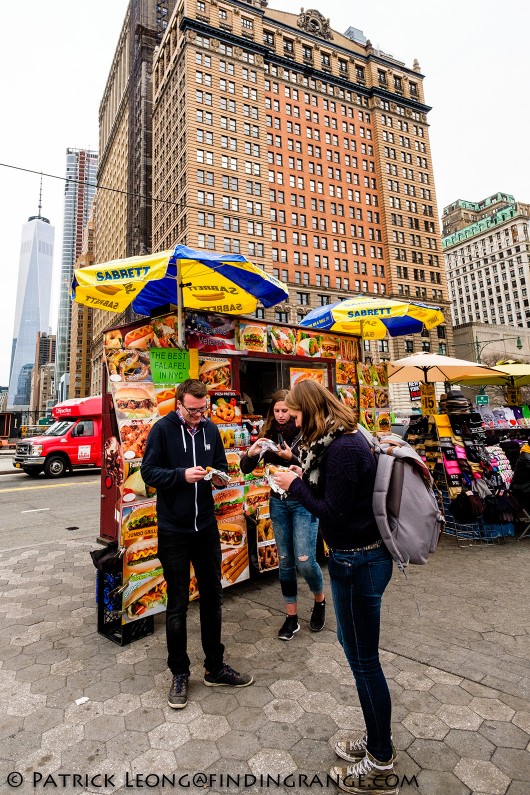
[458, 673]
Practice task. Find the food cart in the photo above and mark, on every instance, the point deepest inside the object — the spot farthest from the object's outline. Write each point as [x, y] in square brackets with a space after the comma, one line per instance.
[242, 361]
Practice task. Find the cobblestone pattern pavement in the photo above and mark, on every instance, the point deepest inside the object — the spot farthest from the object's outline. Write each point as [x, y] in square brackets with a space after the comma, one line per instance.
[458, 674]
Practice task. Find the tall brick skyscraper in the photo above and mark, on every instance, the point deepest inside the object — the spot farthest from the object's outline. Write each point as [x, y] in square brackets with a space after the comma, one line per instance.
[303, 148]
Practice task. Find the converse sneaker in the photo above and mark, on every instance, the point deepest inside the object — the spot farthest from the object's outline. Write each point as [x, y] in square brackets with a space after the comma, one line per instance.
[288, 628]
[227, 676]
[367, 776]
[178, 692]
[355, 750]
[318, 616]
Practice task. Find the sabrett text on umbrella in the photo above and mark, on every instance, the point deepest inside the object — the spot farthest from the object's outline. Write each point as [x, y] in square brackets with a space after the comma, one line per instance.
[367, 312]
[213, 288]
[123, 273]
[100, 302]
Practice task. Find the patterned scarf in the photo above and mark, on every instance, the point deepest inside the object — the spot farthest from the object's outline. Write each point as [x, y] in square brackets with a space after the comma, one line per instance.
[311, 455]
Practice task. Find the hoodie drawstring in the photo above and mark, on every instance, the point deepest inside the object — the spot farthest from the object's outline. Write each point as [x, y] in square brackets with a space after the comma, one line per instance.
[183, 437]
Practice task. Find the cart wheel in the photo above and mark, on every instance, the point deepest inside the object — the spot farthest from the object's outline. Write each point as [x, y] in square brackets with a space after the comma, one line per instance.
[55, 467]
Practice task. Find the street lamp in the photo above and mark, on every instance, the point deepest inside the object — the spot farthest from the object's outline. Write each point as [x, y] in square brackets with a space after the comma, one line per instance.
[481, 344]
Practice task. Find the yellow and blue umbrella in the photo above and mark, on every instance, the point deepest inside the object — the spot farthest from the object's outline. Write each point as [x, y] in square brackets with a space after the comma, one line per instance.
[374, 318]
[213, 282]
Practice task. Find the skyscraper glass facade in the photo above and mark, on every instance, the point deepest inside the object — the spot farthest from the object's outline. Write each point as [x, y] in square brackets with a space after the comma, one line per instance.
[32, 312]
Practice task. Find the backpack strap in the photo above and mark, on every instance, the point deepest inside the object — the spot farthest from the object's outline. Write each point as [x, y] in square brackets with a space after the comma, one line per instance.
[385, 466]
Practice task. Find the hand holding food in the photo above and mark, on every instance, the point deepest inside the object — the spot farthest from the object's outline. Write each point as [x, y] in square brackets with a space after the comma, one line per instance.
[284, 479]
[194, 474]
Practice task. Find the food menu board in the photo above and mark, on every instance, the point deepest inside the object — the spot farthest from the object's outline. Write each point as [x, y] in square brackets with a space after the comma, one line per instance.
[210, 333]
[225, 408]
[282, 340]
[215, 372]
[138, 404]
[297, 374]
[253, 337]
[374, 402]
[308, 343]
[145, 591]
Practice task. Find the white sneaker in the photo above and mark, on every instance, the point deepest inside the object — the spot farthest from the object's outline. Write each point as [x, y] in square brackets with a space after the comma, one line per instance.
[355, 750]
[367, 776]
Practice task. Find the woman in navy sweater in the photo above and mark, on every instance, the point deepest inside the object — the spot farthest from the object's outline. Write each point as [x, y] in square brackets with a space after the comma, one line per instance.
[335, 483]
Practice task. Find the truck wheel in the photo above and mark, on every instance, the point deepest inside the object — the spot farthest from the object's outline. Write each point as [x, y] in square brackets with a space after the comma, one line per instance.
[55, 467]
[33, 472]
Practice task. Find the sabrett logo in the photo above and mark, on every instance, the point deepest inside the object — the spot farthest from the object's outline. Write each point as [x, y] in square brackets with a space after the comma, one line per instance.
[368, 312]
[122, 273]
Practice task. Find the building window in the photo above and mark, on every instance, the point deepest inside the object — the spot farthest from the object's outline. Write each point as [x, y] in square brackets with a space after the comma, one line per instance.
[409, 346]
[281, 317]
[442, 348]
[425, 345]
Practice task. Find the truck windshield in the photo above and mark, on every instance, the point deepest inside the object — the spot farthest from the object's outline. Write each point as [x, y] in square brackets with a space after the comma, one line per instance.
[59, 428]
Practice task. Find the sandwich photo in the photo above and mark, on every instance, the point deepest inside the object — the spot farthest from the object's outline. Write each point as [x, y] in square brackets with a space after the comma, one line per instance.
[256, 496]
[148, 596]
[216, 373]
[228, 502]
[330, 347]
[141, 521]
[134, 402]
[282, 340]
[165, 399]
[141, 338]
[254, 338]
[234, 470]
[231, 534]
[142, 555]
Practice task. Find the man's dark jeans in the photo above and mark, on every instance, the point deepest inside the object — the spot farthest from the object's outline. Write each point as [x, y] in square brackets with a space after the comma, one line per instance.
[176, 551]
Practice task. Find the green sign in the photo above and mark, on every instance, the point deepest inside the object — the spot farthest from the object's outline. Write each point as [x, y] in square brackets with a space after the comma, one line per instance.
[482, 400]
[169, 365]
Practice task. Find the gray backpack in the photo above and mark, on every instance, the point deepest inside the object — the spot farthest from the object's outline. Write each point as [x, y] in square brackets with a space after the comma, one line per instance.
[405, 506]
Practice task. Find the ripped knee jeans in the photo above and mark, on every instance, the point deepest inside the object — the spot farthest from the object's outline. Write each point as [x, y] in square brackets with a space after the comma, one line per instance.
[295, 531]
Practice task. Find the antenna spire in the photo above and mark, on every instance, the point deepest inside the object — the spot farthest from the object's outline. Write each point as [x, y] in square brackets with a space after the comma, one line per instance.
[40, 196]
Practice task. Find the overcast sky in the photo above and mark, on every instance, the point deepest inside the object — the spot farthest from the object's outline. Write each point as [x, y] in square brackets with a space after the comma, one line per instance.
[55, 59]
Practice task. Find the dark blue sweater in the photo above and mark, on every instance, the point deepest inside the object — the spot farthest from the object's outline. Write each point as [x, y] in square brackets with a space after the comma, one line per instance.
[170, 450]
[343, 500]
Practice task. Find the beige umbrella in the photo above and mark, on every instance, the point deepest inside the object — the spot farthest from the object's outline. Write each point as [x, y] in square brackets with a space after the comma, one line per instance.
[506, 374]
[433, 367]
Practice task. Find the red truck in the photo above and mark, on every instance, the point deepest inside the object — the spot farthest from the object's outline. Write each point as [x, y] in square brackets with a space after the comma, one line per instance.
[74, 439]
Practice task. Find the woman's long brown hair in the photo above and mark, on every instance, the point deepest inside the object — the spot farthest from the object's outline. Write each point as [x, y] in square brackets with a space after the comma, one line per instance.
[280, 394]
[321, 411]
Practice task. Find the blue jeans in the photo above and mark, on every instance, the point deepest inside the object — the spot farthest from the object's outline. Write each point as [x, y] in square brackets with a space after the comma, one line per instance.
[358, 580]
[295, 531]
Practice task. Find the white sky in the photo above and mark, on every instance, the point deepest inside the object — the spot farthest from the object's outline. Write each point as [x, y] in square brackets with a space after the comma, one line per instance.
[55, 58]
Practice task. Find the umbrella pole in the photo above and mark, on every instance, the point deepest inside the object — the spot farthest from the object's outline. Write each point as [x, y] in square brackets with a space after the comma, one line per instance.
[180, 313]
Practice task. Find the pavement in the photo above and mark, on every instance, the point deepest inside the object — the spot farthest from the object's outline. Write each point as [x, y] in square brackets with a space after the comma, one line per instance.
[458, 671]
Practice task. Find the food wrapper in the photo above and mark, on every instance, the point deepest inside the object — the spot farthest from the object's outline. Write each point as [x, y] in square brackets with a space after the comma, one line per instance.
[268, 444]
[220, 474]
[269, 477]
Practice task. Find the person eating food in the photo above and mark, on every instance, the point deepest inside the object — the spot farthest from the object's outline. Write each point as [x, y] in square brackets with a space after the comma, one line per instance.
[295, 529]
[180, 447]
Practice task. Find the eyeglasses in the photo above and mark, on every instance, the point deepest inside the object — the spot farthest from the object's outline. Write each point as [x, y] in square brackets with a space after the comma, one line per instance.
[195, 412]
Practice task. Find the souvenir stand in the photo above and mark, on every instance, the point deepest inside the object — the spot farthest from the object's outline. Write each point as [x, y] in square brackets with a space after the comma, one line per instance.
[143, 366]
[473, 478]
